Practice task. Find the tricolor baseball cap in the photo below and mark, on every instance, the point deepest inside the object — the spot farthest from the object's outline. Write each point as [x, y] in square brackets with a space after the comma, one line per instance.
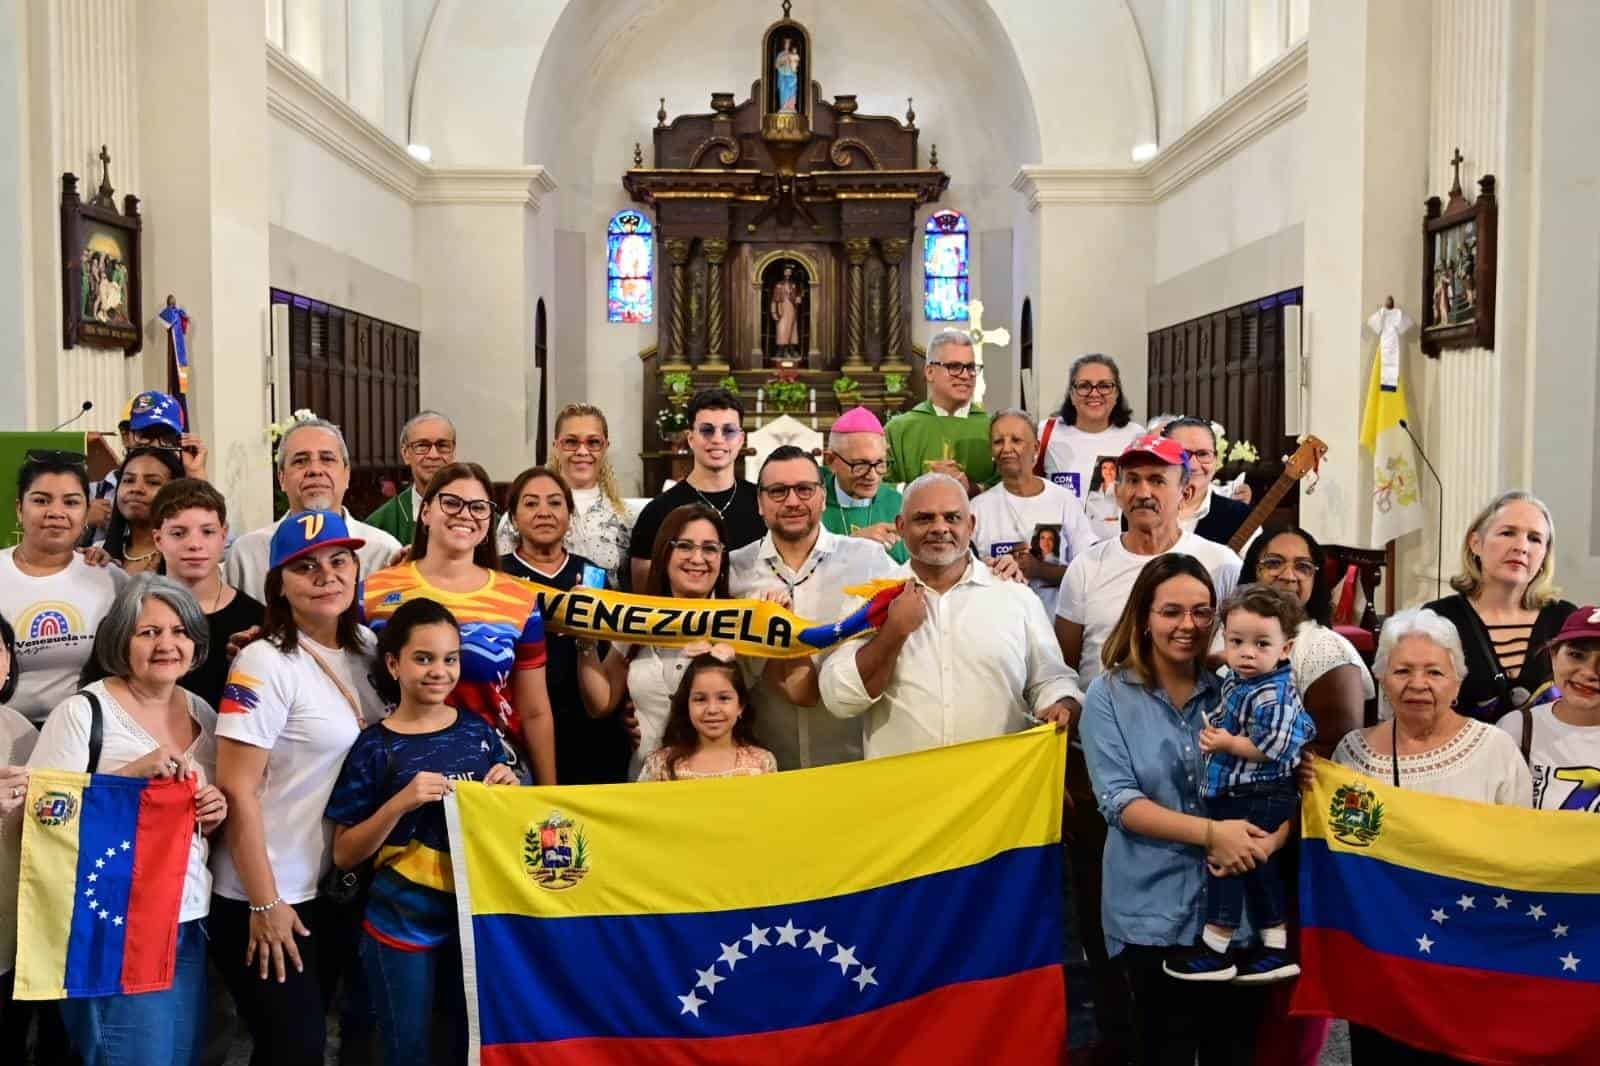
[153, 409]
[1163, 450]
[304, 532]
[1582, 624]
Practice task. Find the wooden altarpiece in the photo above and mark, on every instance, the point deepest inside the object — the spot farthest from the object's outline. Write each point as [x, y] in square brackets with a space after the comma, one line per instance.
[783, 186]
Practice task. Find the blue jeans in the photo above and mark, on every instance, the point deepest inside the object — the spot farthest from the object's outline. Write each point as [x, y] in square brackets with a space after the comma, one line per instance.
[402, 985]
[1265, 805]
[155, 1028]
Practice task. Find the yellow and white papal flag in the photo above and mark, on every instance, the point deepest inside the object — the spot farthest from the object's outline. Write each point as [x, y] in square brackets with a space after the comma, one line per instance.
[1396, 488]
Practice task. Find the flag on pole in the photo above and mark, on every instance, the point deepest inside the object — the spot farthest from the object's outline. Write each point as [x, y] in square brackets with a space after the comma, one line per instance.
[103, 865]
[1463, 928]
[899, 911]
[1396, 489]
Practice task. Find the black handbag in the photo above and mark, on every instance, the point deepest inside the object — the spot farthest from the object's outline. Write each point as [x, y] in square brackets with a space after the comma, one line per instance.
[344, 888]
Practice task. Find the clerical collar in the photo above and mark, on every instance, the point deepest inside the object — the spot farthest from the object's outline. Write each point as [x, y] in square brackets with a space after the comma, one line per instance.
[847, 501]
[960, 412]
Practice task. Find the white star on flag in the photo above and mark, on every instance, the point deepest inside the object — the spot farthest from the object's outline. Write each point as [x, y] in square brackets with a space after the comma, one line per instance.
[99, 864]
[1424, 944]
[731, 954]
[757, 937]
[1569, 961]
[117, 920]
[1465, 902]
[865, 978]
[709, 979]
[88, 893]
[845, 957]
[93, 877]
[126, 844]
[691, 1004]
[818, 939]
[104, 914]
[1502, 901]
[111, 853]
[788, 934]
[1440, 915]
[1560, 930]
[1536, 912]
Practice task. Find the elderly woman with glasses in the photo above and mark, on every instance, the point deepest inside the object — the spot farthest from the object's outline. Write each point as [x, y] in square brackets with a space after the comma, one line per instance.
[689, 562]
[1094, 420]
[133, 719]
[454, 562]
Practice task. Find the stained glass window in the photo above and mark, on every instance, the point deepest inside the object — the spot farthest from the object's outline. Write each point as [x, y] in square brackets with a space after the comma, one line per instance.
[944, 268]
[630, 259]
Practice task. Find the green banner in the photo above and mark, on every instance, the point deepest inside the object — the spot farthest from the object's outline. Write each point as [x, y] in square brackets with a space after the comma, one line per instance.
[13, 447]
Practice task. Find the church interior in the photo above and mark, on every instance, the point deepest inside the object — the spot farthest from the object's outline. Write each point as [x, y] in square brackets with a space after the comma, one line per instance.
[497, 207]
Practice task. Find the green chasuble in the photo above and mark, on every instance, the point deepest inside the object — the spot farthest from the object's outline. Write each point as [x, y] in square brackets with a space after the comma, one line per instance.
[885, 507]
[394, 517]
[921, 436]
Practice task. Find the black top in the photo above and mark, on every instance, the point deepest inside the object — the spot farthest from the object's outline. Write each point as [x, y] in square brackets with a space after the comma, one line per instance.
[739, 513]
[238, 615]
[1223, 520]
[589, 751]
[1481, 695]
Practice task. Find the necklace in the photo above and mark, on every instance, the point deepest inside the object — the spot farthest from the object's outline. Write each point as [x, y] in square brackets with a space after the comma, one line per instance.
[797, 582]
[722, 511]
[139, 558]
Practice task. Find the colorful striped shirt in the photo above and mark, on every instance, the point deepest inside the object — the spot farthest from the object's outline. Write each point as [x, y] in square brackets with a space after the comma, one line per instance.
[501, 632]
[1267, 710]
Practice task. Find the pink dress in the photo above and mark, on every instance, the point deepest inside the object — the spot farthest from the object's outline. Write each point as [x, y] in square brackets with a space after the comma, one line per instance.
[748, 761]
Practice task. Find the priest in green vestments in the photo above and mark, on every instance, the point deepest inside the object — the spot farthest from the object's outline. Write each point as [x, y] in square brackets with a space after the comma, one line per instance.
[428, 445]
[947, 432]
[857, 502]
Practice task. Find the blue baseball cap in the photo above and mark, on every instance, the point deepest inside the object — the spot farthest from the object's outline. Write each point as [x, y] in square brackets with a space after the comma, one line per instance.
[304, 532]
[153, 409]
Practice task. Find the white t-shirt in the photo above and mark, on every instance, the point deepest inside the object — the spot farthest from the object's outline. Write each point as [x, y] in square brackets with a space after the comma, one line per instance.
[55, 619]
[17, 738]
[1564, 759]
[1099, 582]
[285, 703]
[247, 562]
[653, 677]
[1006, 522]
[1070, 456]
[64, 745]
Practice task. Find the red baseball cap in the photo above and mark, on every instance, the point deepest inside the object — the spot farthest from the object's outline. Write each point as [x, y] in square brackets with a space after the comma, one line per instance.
[1163, 450]
[1582, 624]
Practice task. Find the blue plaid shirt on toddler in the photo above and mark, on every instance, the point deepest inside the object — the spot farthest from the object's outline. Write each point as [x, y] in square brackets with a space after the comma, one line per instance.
[1267, 710]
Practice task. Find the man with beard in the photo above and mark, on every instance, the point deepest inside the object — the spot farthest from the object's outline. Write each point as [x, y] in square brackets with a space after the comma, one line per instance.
[428, 444]
[963, 655]
[804, 565]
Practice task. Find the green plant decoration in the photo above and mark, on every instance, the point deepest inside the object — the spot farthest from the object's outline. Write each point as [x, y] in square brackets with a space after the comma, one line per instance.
[787, 396]
[846, 386]
[894, 383]
[730, 383]
[678, 385]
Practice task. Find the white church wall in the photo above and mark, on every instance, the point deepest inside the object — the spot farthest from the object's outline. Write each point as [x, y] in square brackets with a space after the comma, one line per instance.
[17, 402]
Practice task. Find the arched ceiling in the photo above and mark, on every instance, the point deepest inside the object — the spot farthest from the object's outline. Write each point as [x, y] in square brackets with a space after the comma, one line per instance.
[1060, 82]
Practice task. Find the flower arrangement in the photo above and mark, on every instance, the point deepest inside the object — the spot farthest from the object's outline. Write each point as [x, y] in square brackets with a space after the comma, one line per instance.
[847, 389]
[1240, 451]
[671, 421]
[276, 430]
[894, 384]
[787, 395]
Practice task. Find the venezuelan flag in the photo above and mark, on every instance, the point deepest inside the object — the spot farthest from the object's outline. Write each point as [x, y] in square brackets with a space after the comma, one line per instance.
[1456, 927]
[899, 911]
[103, 865]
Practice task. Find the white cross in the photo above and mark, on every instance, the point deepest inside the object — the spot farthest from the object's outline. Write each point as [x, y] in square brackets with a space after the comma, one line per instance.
[980, 336]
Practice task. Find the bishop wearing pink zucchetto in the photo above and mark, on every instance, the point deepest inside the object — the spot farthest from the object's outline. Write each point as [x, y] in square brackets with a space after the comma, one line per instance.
[858, 502]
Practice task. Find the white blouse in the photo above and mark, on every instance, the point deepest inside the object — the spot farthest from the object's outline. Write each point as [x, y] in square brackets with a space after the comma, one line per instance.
[1317, 650]
[1479, 763]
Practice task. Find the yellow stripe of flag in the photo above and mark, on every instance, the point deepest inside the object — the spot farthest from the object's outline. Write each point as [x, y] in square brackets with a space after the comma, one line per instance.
[45, 893]
[1508, 847]
[660, 848]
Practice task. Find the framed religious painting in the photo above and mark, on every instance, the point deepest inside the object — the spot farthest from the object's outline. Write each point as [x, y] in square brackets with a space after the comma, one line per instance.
[100, 272]
[1458, 268]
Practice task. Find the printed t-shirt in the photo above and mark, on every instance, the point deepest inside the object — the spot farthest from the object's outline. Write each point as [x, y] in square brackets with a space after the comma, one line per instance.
[1070, 455]
[1051, 522]
[1564, 759]
[55, 619]
[502, 632]
[411, 905]
[285, 703]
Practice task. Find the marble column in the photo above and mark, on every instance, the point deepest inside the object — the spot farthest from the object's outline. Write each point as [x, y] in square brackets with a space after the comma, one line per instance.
[678, 251]
[856, 250]
[894, 333]
[716, 249]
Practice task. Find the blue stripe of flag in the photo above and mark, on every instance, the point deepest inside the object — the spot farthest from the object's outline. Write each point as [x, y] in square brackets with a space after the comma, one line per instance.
[107, 827]
[543, 979]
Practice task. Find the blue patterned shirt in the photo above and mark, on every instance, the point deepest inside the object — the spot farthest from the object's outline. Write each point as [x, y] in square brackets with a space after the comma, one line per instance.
[1267, 710]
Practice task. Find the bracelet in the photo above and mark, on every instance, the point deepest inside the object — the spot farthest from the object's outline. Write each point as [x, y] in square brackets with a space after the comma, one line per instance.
[1209, 824]
[265, 907]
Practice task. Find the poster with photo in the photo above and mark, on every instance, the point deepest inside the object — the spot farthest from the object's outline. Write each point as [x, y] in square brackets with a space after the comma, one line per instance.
[1100, 506]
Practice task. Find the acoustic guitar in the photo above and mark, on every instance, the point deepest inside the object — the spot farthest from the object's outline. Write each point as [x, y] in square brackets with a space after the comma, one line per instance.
[1305, 459]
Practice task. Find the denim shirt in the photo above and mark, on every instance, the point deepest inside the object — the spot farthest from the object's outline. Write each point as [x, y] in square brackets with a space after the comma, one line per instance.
[1139, 746]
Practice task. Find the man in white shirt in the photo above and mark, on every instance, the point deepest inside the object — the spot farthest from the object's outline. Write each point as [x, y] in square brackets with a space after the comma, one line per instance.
[314, 472]
[962, 655]
[801, 562]
[1151, 475]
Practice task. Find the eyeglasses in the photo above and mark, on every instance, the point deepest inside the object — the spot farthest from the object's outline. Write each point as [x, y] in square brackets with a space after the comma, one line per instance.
[1203, 455]
[805, 490]
[1202, 616]
[1087, 388]
[52, 455]
[960, 370]
[573, 444]
[451, 504]
[423, 447]
[862, 467]
[1273, 565]
[336, 564]
[708, 549]
[729, 431]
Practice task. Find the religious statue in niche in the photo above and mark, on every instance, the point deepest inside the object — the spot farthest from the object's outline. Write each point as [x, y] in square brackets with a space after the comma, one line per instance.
[787, 64]
[786, 318]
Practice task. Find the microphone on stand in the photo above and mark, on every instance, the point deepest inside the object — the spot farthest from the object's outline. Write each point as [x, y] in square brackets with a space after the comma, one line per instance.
[88, 405]
[1438, 575]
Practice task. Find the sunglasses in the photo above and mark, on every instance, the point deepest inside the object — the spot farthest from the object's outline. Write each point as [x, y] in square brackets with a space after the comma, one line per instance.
[52, 455]
[709, 432]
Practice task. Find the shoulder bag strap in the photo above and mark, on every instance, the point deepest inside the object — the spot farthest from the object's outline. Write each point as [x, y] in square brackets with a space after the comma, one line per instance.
[1478, 633]
[1044, 446]
[97, 730]
[1527, 735]
[338, 683]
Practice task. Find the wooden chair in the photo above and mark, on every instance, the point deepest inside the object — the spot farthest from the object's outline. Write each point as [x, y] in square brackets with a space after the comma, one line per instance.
[1371, 568]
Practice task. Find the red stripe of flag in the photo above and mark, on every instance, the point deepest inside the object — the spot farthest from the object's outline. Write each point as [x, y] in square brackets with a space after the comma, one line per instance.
[160, 863]
[956, 1023]
[1499, 1019]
